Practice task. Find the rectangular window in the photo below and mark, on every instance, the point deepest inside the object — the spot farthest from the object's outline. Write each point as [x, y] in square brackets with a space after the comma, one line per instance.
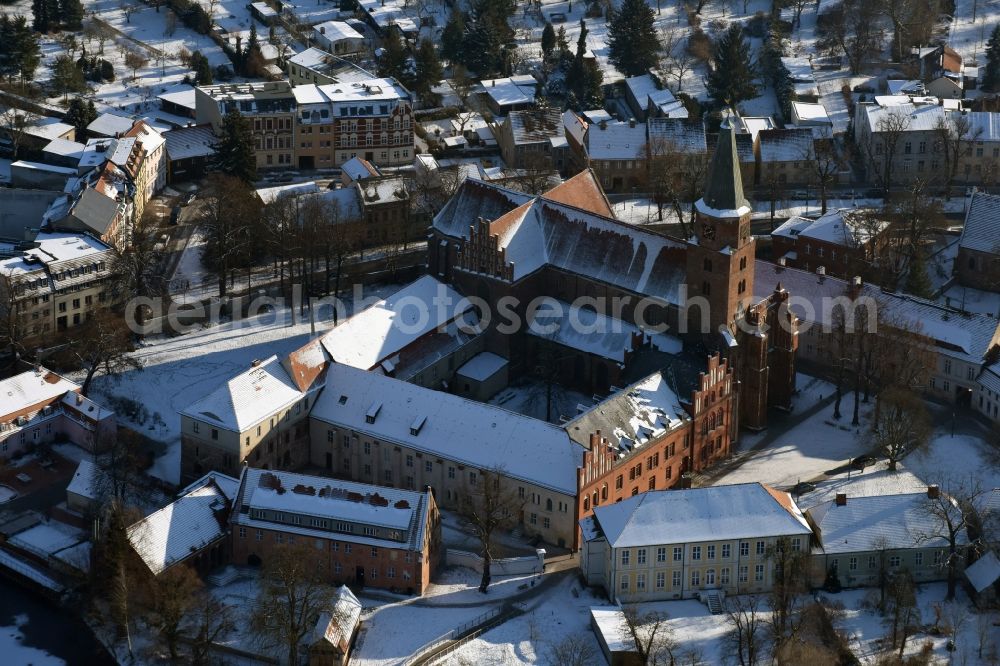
[796, 544]
[758, 573]
[695, 552]
[428, 466]
[640, 582]
[678, 553]
[852, 564]
[661, 579]
[871, 561]
[726, 551]
[918, 559]
[451, 472]
[260, 535]
[744, 548]
[243, 532]
[626, 555]
[894, 561]
[711, 552]
[743, 574]
[640, 556]
[695, 578]
[760, 547]
[624, 583]
[661, 554]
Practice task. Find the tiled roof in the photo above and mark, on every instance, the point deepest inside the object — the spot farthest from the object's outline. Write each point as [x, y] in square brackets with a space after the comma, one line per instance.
[31, 388]
[786, 145]
[581, 191]
[535, 125]
[686, 135]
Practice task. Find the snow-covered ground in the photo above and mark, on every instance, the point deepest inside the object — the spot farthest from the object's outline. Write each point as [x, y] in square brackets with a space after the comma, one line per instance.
[392, 632]
[454, 585]
[180, 370]
[864, 628]
[971, 300]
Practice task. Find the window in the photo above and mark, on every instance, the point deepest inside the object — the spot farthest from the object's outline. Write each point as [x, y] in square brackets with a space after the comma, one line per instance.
[533, 519]
[661, 579]
[871, 561]
[640, 556]
[624, 583]
[894, 561]
[243, 533]
[937, 557]
[451, 472]
[724, 576]
[852, 564]
[710, 577]
[758, 573]
[711, 552]
[726, 551]
[695, 552]
[743, 574]
[194, 426]
[640, 582]
[796, 544]
[678, 553]
[368, 448]
[347, 549]
[918, 559]
[760, 547]
[546, 523]
[409, 461]
[707, 265]
[661, 554]
[472, 478]
[744, 548]
[618, 482]
[260, 535]
[695, 579]
[428, 466]
[626, 555]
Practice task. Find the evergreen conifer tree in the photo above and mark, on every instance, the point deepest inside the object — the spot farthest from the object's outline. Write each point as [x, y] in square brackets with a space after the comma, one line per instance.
[584, 78]
[488, 40]
[235, 153]
[732, 79]
[991, 77]
[918, 282]
[548, 40]
[633, 44]
[392, 61]
[428, 70]
[452, 37]
[71, 14]
[79, 113]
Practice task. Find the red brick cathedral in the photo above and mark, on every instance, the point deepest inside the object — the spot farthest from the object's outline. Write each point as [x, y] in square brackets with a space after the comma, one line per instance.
[728, 354]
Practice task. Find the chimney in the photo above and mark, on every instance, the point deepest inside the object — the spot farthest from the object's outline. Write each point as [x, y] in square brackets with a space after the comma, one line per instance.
[603, 124]
[933, 492]
[631, 123]
[782, 261]
[855, 289]
[79, 401]
[255, 363]
[841, 499]
[821, 272]
[494, 82]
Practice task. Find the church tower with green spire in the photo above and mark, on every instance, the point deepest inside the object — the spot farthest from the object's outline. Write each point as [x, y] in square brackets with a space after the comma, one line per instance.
[720, 256]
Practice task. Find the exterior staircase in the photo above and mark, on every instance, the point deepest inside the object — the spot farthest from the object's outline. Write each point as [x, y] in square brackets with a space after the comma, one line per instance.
[713, 600]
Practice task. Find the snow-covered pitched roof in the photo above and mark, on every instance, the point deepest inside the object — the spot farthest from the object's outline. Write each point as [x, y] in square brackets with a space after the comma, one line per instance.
[575, 126]
[335, 31]
[741, 511]
[31, 388]
[585, 330]
[837, 226]
[183, 95]
[982, 224]
[616, 141]
[685, 135]
[469, 432]
[358, 168]
[989, 379]
[983, 572]
[535, 125]
[271, 194]
[85, 481]
[110, 124]
[189, 142]
[899, 521]
[787, 145]
[226, 484]
[382, 330]
[476, 199]
[48, 128]
[181, 528]
[632, 417]
[961, 335]
[248, 398]
[482, 366]
[512, 90]
[337, 627]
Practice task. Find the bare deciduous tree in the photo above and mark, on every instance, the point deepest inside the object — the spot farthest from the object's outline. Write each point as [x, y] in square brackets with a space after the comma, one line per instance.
[651, 635]
[901, 426]
[172, 599]
[746, 624]
[949, 511]
[573, 651]
[103, 345]
[902, 613]
[882, 142]
[954, 136]
[291, 597]
[488, 506]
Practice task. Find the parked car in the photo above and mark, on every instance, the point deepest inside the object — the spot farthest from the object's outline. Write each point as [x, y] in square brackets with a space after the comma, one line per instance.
[863, 461]
[803, 487]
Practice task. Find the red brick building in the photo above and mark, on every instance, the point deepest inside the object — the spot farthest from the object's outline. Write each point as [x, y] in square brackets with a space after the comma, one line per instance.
[366, 535]
[843, 242]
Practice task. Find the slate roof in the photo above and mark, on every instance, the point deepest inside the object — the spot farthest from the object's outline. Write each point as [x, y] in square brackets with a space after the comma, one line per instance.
[687, 135]
[982, 224]
[476, 199]
[527, 448]
[786, 145]
[740, 511]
